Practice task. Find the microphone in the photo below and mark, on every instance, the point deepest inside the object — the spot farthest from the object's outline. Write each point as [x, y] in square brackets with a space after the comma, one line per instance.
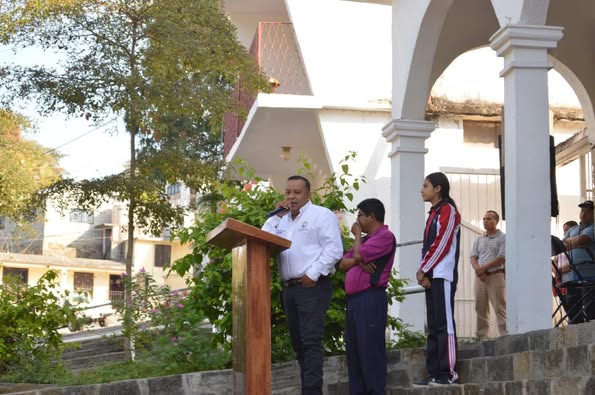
[276, 211]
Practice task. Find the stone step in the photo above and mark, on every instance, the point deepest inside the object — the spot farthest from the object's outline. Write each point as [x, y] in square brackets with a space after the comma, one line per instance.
[93, 348]
[82, 363]
[525, 365]
[567, 385]
[11, 388]
[533, 355]
[288, 391]
[578, 360]
[540, 340]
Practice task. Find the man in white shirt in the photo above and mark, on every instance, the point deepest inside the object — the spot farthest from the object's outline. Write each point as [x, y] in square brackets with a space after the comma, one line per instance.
[316, 247]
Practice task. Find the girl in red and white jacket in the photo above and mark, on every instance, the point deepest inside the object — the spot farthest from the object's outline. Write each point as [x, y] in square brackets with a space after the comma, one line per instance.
[438, 275]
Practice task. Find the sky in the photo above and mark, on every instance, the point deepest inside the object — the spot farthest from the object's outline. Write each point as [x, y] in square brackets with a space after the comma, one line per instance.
[88, 151]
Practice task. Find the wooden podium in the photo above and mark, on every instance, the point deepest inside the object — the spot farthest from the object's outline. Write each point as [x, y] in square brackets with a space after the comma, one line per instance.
[251, 295]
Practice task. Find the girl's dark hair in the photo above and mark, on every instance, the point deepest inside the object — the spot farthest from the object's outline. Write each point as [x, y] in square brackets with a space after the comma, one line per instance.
[440, 179]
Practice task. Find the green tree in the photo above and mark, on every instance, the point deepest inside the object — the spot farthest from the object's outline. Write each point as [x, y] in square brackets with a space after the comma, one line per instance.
[211, 287]
[25, 168]
[166, 67]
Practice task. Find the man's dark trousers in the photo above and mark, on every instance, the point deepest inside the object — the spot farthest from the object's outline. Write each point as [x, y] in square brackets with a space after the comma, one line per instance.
[305, 309]
[365, 331]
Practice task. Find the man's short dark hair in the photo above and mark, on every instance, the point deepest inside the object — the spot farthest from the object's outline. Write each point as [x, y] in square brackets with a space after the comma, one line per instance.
[302, 178]
[495, 214]
[570, 224]
[372, 206]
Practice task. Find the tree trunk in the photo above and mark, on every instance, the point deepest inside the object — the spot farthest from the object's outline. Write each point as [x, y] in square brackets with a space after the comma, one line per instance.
[128, 319]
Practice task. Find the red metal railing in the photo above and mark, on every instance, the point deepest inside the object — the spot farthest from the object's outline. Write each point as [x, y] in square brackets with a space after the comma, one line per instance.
[277, 53]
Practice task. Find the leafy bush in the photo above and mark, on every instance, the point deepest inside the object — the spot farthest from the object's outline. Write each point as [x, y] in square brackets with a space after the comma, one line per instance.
[30, 344]
[146, 297]
[211, 289]
[167, 329]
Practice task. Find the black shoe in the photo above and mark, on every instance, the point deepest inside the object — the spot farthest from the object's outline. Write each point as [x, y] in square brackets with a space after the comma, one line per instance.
[441, 382]
[423, 382]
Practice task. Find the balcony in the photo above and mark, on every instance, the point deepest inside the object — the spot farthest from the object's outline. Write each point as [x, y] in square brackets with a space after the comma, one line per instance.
[277, 53]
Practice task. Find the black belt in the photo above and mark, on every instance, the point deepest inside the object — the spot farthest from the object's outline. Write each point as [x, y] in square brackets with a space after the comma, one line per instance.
[292, 282]
[496, 271]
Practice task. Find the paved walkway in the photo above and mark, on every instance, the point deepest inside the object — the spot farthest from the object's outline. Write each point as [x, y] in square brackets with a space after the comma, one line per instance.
[92, 333]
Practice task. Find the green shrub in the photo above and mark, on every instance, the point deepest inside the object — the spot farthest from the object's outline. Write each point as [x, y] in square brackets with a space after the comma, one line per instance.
[146, 298]
[30, 344]
[167, 328]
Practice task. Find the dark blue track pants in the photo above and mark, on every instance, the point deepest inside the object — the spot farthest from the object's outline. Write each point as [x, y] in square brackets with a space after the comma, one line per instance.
[365, 329]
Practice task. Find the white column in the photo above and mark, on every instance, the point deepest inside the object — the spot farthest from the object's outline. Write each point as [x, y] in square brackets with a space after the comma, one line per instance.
[527, 187]
[407, 207]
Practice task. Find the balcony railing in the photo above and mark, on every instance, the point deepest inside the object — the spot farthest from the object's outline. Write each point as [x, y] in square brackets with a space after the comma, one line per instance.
[116, 295]
[277, 53]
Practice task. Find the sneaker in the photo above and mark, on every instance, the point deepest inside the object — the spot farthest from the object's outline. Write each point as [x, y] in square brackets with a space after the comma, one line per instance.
[423, 382]
[440, 382]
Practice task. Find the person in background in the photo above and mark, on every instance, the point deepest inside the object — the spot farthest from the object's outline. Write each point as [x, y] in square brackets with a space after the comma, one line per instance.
[562, 266]
[561, 259]
[580, 242]
[487, 259]
[305, 267]
[368, 265]
[438, 275]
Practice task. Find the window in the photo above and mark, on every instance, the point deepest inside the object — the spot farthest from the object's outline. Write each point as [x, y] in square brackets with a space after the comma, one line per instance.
[162, 255]
[81, 217]
[21, 274]
[174, 189]
[481, 133]
[83, 283]
[116, 287]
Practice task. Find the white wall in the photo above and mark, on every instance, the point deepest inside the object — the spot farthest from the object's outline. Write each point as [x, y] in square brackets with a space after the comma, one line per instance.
[346, 48]
[144, 258]
[360, 131]
[85, 237]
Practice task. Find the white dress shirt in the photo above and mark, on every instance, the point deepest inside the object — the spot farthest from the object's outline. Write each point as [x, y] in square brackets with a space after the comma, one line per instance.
[316, 243]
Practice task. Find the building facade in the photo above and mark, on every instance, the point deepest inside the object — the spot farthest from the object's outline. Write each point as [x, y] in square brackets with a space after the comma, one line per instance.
[88, 250]
[420, 86]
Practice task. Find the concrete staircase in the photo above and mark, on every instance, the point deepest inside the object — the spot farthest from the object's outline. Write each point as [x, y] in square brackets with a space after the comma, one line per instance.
[558, 362]
[93, 348]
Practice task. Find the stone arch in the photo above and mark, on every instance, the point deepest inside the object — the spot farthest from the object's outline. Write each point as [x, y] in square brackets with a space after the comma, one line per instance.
[443, 35]
[445, 32]
[413, 84]
[581, 93]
